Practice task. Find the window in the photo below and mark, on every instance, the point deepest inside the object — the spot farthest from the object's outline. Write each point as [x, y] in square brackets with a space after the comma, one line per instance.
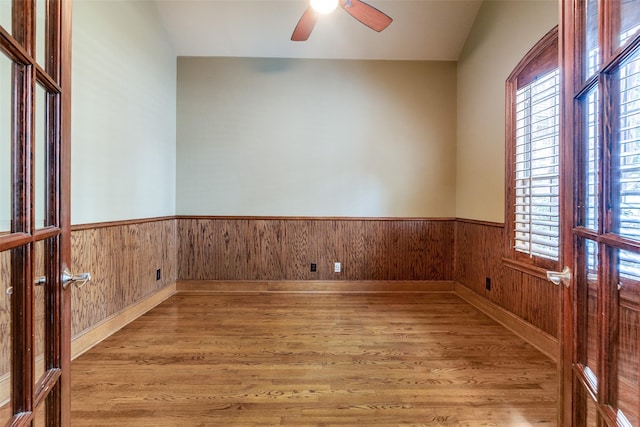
[626, 222]
[533, 156]
[537, 168]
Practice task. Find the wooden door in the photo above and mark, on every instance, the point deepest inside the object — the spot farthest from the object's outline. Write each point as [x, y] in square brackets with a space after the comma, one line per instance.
[601, 136]
[34, 212]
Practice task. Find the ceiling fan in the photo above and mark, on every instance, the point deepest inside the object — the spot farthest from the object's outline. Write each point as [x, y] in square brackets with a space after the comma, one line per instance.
[367, 14]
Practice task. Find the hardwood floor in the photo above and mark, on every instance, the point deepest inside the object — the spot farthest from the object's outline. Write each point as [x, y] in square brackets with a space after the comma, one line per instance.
[245, 359]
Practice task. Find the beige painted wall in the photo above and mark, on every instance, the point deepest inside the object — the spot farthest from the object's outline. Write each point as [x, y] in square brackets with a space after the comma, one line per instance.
[502, 34]
[315, 137]
[250, 134]
[123, 109]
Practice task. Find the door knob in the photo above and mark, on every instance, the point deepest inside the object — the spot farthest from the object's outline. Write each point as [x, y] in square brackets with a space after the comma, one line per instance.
[38, 282]
[557, 277]
[78, 279]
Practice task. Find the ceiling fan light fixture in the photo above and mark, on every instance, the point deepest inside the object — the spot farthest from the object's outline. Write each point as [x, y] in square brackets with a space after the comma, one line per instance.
[363, 12]
[324, 6]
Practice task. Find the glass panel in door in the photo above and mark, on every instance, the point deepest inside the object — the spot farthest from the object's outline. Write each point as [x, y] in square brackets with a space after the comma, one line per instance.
[591, 152]
[40, 158]
[41, 35]
[40, 311]
[628, 337]
[625, 145]
[628, 21]
[5, 14]
[6, 189]
[586, 282]
[591, 49]
[5, 337]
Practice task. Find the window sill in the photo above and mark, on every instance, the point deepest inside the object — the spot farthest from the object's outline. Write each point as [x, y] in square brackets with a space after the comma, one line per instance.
[522, 267]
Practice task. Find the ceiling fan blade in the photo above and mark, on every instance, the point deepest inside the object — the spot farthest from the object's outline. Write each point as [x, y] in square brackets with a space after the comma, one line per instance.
[305, 25]
[367, 14]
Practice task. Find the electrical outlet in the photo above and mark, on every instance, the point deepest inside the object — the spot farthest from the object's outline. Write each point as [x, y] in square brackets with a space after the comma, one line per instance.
[158, 274]
[313, 266]
[487, 283]
[337, 267]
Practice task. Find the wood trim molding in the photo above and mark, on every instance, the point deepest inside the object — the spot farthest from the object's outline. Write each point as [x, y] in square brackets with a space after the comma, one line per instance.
[89, 226]
[470, 234]
[481, 222]
[531, 270]
[541, 59]
[89, 338]
[534, 336]
[312, 218]
[313, 286]
[105, 224]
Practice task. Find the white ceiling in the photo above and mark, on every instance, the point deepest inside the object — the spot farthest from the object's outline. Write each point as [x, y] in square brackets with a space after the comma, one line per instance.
[421, 29]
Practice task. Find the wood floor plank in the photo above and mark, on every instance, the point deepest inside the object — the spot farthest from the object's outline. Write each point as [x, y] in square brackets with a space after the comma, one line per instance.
[314, 360]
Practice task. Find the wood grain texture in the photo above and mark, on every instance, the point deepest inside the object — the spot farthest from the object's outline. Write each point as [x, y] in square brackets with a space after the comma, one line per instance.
[628, 350]
[105, 224]
[283, 249]
[544, 342]
[313, 286]
[90, 337]
[479, 251]
[123, 257]
[5, 328]
[122, 260]
[40, 310]
[308, 359]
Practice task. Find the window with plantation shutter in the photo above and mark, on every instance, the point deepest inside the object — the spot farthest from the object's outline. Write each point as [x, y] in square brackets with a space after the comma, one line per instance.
[536, 183]
[532, 214]
[626, 215]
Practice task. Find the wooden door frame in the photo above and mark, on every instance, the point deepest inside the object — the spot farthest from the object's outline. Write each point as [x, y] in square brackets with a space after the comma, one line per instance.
[65, 205]
[55, 76]
[575, 83]
[567, 195]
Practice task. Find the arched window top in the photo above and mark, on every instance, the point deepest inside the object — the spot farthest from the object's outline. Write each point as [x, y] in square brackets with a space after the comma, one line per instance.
[540, 60]
[533, 157]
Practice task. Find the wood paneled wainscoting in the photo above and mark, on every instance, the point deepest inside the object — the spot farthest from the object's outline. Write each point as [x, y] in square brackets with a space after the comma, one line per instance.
[270, 253]
[274, 255]
[123, 258]
[524, 302]
[280, 248]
